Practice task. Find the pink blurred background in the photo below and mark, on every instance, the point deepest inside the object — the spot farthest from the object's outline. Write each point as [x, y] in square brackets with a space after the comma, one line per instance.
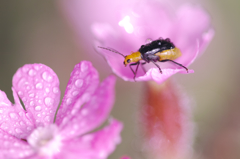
[38, 32]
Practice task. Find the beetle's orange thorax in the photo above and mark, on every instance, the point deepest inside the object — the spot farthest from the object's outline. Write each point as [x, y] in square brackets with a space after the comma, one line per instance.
[170, 54]
[134, 57]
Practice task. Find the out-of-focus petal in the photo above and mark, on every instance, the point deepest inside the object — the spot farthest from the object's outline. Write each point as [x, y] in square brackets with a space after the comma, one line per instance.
[13, 118]
[82, 84]
[166, 121]
[13, 148]
[96, 145]
[38, 87]
[94, 112]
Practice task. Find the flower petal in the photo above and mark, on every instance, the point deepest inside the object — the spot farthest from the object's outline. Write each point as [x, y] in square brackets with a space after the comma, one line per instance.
[13, 148]
[13, 119]
[154, 74]
[94, 112]
[97, 145]
[38, 87]
[82, 84]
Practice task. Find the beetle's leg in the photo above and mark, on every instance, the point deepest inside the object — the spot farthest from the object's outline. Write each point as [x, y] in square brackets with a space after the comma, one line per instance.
[157, 66]
[143, 67]
[134, 72]
[177, 64]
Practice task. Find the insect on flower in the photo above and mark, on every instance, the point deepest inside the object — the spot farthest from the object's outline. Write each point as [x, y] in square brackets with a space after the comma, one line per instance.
[160, 50]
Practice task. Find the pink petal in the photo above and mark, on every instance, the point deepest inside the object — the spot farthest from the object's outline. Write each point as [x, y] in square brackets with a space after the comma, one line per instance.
[13, 148]
[38, 87]
[154, 74]
[13, 119]
[94, 112]
[166, 119]
[82, 84]
[97, 145]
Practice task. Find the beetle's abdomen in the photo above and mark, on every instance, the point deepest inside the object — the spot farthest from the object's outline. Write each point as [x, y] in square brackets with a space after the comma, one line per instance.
[170, 54]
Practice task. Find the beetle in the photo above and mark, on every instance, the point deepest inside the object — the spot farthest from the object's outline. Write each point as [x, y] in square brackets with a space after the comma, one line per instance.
[160, 50]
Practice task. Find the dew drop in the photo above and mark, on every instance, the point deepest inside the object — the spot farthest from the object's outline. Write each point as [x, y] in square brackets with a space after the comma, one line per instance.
[20, 93]
[47, 118]
[13, 115]
[1, 111]
[31, 95]
[32, 72]
[47, 90]
[39, 115]
[69, 101]
[79, 83]
[25, 69]
[49, 101]
[55, 90]
[18, 130]
[38, 108]
[84, 67]
[24, 99]
[32, 103]
[36, 67]
[47, 77]
[75, 93]
[40, 101]
[39, 86]
[22, 123]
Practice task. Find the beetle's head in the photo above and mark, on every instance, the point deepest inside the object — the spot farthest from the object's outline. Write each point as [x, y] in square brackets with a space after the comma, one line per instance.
[127, 60]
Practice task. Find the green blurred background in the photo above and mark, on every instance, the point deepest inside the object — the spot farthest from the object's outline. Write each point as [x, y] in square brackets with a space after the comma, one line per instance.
[37, 32]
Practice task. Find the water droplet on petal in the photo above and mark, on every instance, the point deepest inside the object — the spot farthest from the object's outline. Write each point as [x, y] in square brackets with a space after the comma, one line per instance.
[18, 130]
[47, 118]
[13, 115]
[39, 85]
[47, 90]
[79, 83]
[20, 93]
[22, 123]
[55, 90]
[39, 115]
[47, 76]
[75, 93]
[32, 103]
[38, 108]
[32, 72]
[69, 101]
[31, 95]
[49, 101]
[25, 69]
[84, 67]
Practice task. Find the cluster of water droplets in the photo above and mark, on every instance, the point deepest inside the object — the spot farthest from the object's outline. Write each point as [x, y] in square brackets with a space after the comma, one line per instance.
[82, 83]
[38, 87]
[11, 146]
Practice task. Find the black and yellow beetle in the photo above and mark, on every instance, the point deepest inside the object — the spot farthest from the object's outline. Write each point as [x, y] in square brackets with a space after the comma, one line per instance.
[160, 50]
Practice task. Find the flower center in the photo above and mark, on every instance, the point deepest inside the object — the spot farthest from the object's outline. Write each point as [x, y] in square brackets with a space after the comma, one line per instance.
[45, 140]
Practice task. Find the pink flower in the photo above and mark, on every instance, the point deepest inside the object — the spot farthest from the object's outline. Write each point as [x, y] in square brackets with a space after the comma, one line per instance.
[188, 27]
[32, 133]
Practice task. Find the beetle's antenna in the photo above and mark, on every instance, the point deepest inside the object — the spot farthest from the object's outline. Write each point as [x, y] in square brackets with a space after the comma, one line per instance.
[112, 50]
